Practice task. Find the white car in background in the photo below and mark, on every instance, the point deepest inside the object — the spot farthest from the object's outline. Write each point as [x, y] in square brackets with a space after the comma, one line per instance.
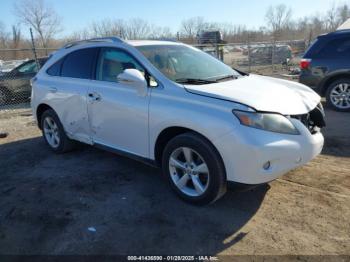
[204, 123]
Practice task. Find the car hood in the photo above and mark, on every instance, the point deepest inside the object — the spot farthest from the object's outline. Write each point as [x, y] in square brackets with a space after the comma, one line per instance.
[263, 94]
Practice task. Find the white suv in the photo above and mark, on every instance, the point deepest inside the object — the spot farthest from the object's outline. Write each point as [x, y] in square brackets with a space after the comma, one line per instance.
[204, 123]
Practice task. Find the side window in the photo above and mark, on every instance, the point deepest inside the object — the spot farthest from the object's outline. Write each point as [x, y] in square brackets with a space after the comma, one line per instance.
[112, 62]
[79, 63]
[55, 69]
[28, 68]
[344, 47]
[336, 48]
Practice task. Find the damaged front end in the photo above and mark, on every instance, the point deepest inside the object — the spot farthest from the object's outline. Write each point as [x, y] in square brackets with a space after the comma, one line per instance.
[314, 120]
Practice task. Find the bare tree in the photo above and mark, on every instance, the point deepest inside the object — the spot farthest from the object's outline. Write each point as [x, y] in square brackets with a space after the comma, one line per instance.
[332, 18]
[137, 29]
[108, 27]
[78, 35]
[191, 27]
[343, 13]
[40, 16]
[278, 18]
[159, 32]
[16, 36]
[3, 35]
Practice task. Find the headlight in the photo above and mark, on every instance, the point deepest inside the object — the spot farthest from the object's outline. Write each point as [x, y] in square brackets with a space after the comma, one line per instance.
[266, 121]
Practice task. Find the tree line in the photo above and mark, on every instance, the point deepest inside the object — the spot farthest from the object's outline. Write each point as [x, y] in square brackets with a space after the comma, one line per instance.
[279, 25]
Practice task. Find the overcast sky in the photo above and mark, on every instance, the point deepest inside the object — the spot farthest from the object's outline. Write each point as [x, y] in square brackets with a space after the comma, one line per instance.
[76, 14]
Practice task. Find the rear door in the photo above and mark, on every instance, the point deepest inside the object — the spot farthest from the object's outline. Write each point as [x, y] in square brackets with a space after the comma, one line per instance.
[69, 82]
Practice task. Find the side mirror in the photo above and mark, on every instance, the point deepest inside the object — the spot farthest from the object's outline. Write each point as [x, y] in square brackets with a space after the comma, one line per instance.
[133, 78]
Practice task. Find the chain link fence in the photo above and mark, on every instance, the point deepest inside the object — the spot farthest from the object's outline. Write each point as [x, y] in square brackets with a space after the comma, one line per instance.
[18, 66]
[268, 58]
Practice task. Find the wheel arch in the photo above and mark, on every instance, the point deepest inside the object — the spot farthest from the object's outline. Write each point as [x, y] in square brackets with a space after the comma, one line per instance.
[328, 81]
[169, 133]
[39, 112]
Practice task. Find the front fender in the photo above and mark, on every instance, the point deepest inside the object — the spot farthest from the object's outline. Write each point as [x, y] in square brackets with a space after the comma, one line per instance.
[209, 117]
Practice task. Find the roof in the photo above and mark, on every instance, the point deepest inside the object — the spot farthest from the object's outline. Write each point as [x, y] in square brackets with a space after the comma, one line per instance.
[151, 42]
[335, 34]
[119, 40]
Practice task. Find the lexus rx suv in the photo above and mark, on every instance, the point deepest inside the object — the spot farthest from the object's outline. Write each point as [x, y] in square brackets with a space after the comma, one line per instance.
[171, 105]
[325, 68]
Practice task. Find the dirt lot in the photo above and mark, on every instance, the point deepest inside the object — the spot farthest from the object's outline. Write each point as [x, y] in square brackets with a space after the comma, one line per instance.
[48, 202]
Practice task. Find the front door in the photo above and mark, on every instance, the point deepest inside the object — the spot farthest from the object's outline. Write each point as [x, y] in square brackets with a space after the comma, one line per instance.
[118, 114]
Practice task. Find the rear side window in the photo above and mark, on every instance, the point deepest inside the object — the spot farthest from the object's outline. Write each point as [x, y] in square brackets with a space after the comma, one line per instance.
[79, 64]
[55, 69]
[336, 48]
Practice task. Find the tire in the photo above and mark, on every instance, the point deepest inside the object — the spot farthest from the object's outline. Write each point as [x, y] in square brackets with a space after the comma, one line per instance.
[50, 122]
[341, 87]
[183, 177]
[4, 96]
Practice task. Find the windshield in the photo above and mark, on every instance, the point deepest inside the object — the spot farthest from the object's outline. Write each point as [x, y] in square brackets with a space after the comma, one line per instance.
[182, 64]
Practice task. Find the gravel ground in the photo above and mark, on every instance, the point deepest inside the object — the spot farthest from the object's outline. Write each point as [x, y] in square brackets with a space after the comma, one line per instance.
[48, 203]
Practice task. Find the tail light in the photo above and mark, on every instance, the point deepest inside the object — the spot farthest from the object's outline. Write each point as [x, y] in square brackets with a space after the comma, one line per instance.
[305, 63]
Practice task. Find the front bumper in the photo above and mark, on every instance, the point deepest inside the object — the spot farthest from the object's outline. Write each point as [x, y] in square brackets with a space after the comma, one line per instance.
[246, 150]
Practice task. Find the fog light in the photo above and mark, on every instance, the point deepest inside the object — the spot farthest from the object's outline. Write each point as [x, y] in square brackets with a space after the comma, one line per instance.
[267, 165]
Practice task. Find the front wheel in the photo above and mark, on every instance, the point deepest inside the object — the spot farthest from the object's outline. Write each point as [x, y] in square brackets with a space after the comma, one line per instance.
[194, 169]
[338, 95]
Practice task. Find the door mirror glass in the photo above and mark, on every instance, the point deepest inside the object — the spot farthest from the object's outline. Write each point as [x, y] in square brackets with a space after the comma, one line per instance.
[152, 82]
[133, 78]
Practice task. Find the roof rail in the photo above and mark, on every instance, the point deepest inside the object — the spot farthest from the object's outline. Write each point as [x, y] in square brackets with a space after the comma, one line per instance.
[112, 39]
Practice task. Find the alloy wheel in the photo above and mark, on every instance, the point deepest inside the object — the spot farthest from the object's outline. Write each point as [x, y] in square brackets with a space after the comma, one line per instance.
[340, 96]
[189, 172]
[51, 132]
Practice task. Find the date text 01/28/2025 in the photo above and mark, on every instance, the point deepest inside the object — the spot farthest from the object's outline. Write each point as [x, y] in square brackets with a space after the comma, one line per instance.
[172, 258]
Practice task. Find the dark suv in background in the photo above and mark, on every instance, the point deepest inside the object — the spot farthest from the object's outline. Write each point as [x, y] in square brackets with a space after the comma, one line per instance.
[15, 84]
[325, 67]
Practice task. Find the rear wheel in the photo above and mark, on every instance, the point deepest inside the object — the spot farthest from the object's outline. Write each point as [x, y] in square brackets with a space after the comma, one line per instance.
[54, 134]
[338, 95]
[194, 169]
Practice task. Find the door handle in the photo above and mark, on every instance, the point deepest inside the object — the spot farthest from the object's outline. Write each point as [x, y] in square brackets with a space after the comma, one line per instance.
[94, 96]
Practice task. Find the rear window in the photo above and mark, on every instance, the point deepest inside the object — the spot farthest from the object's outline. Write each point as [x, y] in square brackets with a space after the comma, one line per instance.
[314, 48]
[336, 47]
[79, 64]
[339, 47]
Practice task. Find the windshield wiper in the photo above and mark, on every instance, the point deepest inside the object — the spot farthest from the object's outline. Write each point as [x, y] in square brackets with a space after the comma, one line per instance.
[226, 77]
[194, 81]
